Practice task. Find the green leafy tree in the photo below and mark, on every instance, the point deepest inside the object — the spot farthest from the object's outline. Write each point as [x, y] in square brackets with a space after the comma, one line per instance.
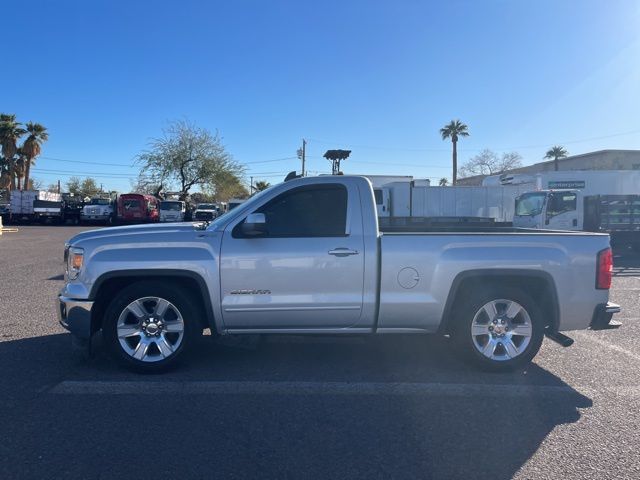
[82, 187]
[226, 186]
[32, 147]
[557, 152]
[454, 130]
[187, 156]
[201, 197]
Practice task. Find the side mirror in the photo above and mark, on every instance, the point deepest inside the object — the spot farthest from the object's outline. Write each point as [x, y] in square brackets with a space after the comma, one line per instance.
[254, 225]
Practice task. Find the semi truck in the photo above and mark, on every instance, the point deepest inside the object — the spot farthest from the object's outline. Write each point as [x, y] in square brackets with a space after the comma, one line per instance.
[137, 208]
[99, 210]
[172, 210]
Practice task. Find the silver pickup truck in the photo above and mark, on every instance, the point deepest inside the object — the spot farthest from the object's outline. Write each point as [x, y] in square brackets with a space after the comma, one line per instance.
[307, 257]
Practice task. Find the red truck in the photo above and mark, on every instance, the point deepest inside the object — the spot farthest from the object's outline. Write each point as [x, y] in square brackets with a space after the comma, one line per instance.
[138, 208]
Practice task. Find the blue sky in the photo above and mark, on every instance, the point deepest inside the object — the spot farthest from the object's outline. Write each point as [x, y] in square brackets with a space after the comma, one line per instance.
[377, 77]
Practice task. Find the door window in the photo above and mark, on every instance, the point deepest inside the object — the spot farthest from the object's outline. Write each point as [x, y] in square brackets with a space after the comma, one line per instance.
[311, 211]
[560, 203]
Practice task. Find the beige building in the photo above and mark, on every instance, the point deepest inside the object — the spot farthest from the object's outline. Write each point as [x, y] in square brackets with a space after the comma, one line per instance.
[600, 160]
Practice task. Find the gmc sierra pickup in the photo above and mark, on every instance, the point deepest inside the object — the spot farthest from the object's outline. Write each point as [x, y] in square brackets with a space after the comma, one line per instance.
[307, 257]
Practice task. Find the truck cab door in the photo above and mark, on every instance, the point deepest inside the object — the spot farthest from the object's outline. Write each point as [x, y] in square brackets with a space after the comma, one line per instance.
[302, 269]
[562, 211]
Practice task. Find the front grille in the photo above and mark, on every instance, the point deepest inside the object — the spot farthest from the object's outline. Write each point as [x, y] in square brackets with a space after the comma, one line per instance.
[204, 216]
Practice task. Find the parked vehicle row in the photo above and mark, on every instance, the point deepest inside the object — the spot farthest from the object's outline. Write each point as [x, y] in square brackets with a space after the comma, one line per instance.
[130, 208]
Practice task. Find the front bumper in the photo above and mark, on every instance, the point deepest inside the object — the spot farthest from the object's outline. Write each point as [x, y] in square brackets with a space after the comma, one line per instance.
[94, 218]
[602, 316]
[75, 316]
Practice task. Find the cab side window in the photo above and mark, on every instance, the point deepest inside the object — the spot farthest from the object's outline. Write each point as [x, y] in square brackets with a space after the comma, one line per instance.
[562, 202]
[311, 211]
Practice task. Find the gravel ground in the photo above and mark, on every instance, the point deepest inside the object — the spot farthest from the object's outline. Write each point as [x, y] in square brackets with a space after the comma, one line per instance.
[307, 407]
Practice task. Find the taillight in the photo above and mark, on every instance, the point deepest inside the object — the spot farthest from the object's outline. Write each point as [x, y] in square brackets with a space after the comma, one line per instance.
[605, 270]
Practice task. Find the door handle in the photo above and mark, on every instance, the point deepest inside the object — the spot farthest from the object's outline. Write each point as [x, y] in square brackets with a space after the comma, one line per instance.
[342, 252]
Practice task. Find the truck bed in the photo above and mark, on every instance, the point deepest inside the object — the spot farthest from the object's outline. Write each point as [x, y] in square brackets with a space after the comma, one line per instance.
[418, 270]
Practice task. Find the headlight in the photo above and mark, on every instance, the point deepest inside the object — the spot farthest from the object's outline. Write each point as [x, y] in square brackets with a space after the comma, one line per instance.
[75, 258]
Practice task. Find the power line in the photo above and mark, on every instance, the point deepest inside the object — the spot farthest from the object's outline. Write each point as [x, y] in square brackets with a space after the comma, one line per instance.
[87, 163]
[74, 172]
[133, 165]
[270, 161]
[517, 147]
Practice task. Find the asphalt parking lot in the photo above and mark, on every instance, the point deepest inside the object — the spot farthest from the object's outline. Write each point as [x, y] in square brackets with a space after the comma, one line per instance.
[307, 407]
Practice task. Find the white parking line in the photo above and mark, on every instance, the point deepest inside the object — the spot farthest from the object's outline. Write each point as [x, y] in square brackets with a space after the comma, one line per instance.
[604, 343]
[71, 387]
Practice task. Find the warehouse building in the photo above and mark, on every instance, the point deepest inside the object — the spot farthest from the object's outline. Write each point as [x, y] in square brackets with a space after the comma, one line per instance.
[600, 160]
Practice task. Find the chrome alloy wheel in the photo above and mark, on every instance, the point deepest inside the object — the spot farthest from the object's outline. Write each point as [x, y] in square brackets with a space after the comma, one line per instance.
[501, 330]
[150, 329]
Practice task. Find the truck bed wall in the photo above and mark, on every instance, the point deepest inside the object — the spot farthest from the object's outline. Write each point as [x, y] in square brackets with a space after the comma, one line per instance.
[433, 261]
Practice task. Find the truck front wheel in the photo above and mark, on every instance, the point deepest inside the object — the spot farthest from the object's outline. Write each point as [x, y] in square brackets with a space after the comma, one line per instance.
[499, 329]
[148, 326]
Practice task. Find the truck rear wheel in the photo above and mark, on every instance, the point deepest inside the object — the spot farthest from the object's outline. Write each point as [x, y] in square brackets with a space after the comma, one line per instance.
[148, 326]
[500, 329]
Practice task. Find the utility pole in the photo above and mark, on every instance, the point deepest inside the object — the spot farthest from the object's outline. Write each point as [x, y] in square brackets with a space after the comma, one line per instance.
[251, 187]
[304, 148]
[58, 186]
[302, 152]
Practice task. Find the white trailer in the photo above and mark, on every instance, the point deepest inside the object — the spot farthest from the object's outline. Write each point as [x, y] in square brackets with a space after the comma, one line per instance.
[405, 199]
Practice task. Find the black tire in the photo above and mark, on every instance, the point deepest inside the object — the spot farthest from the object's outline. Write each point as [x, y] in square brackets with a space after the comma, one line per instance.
[468, 345]
[180, 301]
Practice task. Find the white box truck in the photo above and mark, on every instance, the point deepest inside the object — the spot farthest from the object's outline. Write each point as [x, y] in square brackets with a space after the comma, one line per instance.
[30, 205]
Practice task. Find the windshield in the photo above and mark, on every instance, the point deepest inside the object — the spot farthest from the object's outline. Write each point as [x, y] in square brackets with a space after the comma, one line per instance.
[206, 206]
[131, 204]
[172, 206]
[250, 201]
[100, 201]
[530, 204]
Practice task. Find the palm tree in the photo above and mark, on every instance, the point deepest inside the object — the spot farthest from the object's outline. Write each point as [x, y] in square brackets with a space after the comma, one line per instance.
[443, 182]
[454, 130]
[19, 168]
[10, 132]
[261, 185]
[556, 153]
[32, 147]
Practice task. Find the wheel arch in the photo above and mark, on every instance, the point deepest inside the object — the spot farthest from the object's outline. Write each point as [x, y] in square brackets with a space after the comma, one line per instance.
[109, 283]
[540, 285]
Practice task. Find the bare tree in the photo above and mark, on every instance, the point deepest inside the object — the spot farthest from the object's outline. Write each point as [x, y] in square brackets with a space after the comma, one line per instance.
[443, 182]
[488, 162]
